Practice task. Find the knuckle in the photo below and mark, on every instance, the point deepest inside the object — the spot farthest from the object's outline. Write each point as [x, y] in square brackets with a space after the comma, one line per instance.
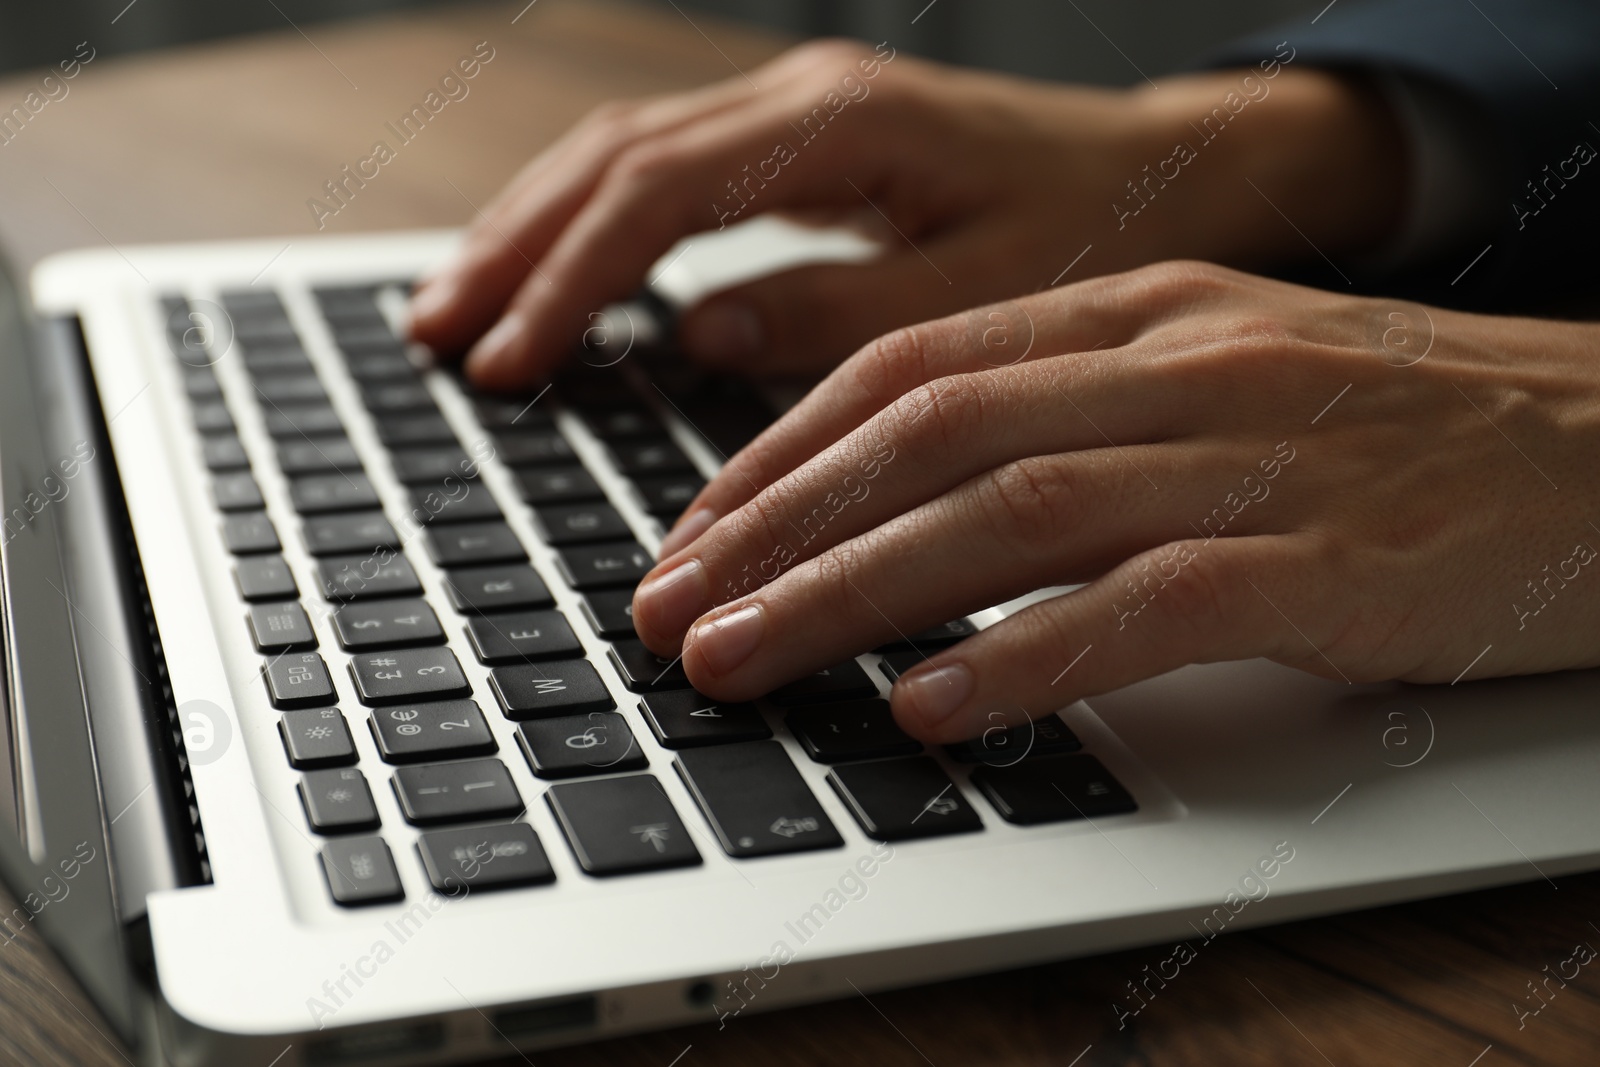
[761, 524]
[613, 123]
[829, 52]
[1179, 282]
[1033, 502]
[647, 164]
[887, 366]
[832, 573]
[1199, 586]
[942, 413]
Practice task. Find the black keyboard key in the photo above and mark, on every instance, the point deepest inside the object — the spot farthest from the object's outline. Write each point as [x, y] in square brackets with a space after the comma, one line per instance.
[360, 870]
[321, 455]
[542, 486]
[291, 389]
[498, 413]
[338, 801]
[302, 420]
[397, 397]
[298, 680]
[369, 336]
[621, 423]
[934, 637]
[575, 524]
[280, 627]
[649, 457]
[475, 858]
[401, 676]
[533, 448]
[618, 563]
[316, 737]
[900, 661]
[376, 574]
[431, 466]
[223, 452]
[522, 636]
[236, 491]
[264, 578]
[851, 730]
[456, 792]
[211, 416]
[643, 671]
[200, 383]
[610, 613]
[374, 624]
[683, 718]
[999, 746]
[559, 687]
[318, 493]
[380, 366]
[500, 588]
[903, 799]
[454, 500]
[755, 800]
[570, 746]
[404, 431]
[274, 330]
[666, 497]
[341, 535]
[442, 729]
[266, 361]
[249, 532]
[844, 681]
[1052, 789]
[621, 825]
[466, 544]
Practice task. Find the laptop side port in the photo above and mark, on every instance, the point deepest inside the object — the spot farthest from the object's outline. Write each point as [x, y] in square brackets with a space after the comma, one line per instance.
[537, 1020]
[375, 1044]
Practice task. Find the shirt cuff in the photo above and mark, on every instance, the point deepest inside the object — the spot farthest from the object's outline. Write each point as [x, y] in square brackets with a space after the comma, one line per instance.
[1450, 201]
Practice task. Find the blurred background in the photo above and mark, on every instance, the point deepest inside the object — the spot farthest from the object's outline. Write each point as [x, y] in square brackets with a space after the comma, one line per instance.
[1065, 38]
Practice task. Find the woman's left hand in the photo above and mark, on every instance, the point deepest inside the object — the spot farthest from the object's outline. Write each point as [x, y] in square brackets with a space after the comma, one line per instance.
[1365, 489]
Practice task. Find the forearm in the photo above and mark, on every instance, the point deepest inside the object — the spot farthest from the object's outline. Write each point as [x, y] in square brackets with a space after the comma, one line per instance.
[1255, 170]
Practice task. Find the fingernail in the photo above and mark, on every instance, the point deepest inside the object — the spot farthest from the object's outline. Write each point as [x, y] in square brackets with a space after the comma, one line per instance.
[727, 642]
[667, 604]
[493, 346]
[720, 332]
[430, 300]
[689, 527]
[935, 695]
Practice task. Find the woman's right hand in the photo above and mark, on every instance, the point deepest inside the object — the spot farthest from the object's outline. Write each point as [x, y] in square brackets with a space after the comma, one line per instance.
[979, 186]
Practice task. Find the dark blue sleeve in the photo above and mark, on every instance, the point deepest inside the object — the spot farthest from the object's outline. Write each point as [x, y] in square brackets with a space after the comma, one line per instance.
[1531, 70]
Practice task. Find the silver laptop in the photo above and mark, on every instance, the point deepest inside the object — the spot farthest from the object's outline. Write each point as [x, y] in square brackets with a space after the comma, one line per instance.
[328, 740]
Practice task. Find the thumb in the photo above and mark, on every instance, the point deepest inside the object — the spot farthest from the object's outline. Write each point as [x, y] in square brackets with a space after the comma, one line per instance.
[811, 318]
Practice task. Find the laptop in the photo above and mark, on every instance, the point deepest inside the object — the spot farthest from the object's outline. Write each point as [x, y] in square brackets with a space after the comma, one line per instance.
[328, 740]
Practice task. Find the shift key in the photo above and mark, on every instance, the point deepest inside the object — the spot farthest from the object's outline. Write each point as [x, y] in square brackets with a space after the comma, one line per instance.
[755, 800]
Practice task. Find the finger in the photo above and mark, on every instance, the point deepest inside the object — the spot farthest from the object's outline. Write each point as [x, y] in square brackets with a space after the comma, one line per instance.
[655, 192]
[1038, 522]
[812, 317]
[932, 441]
[506, 240]
[1210, 603]
[1091, 315]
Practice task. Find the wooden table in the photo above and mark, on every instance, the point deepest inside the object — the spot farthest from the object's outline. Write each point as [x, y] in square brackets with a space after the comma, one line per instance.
[230, 140]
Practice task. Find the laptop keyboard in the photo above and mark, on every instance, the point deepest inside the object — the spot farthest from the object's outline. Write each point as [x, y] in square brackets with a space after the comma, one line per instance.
[439, 754]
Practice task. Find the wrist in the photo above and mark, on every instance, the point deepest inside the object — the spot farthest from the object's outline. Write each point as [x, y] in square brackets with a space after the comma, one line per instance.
[1318, 148]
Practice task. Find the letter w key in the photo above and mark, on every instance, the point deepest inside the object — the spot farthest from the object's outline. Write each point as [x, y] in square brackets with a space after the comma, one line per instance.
[560, 687]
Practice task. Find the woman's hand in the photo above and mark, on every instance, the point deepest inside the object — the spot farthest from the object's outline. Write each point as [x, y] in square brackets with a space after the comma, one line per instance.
[1363, 489]
[979, 186]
